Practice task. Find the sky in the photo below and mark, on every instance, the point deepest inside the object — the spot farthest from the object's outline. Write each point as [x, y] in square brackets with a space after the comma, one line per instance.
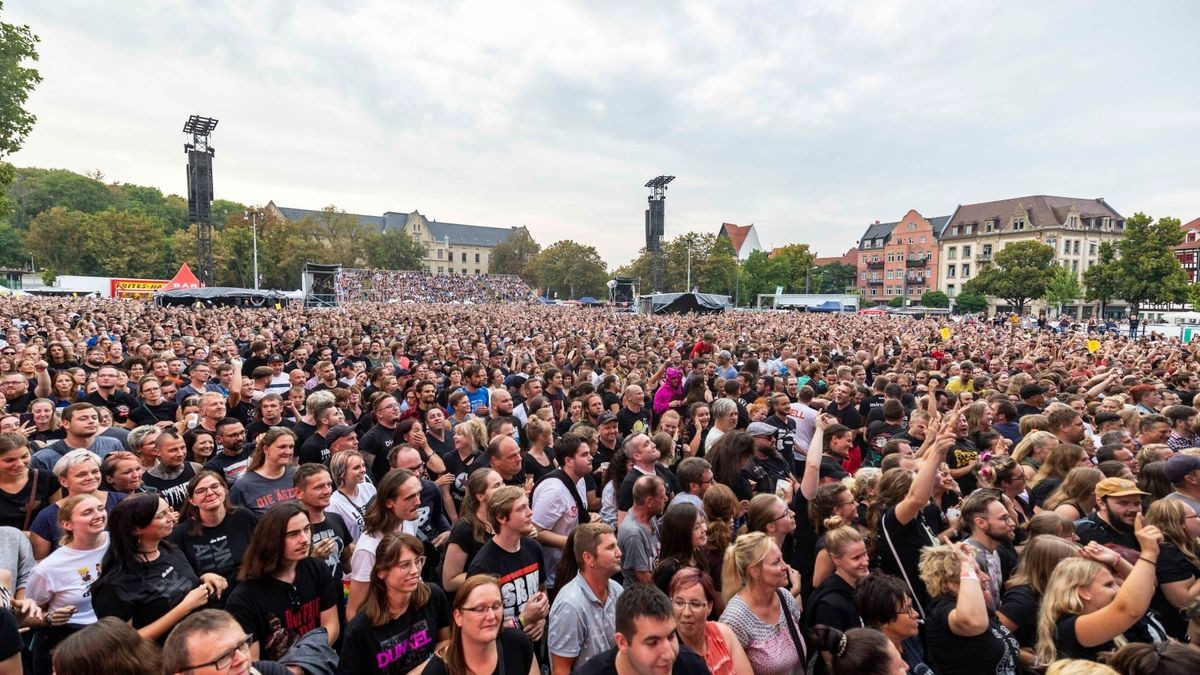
[810, 120]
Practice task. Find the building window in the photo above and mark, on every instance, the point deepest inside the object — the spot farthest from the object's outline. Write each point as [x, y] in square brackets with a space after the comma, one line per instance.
[949, 289]
[1018, 223]
[922, 240]
[1076, 247]
[950, 271]
[1074, 265]
[441, 270]
[987, 250]
[968, 229]
[476, 257]
[874, 291]
[464, 259]
[864, 276]
[966, 270]
[476, 270]
[464, 269]
[966, 252]
[952, 253]
[1191, 236]
[912, 226]
[954, 231]
[440, 253]
[987, 227]
[1053, 244]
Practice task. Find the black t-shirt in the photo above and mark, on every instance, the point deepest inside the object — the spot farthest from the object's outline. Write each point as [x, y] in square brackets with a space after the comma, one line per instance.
[804, 553]
[992, 651]
[961, 455]
[605, 663]
[848, 416]
[534, 468]
[832, 604]
[630, 422]
[443, 446]
[218, 549]
[121, 404]
[277, 614]
[1020, 604]
[13, 506]
[625, 494]
[398, 646]
[315, 450]
[258, 428]
[243, 411]
[173, 490]
[1067, 644]
[464, 535]
[11, 643]
[878, 434]
[145, 592]
[20, 404]
[785, 436]
[520, 574]
[771, 470]
[1172, 566]
[303, 430]
[333, 527]
[461, 471]
[1044, 488]
[377, 442]
[230, 466]
[144, 413]
[870, 403]
[908, 541]
[515, 651]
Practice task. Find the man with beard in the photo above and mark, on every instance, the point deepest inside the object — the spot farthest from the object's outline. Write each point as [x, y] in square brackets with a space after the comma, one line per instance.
[433, 527]
[270, 414]
[376, 443]
[1118, 502]
[767, 464]
[93, 360]
[106, 395]
[475, 377]
[426, 400]
[992, 530]
[607, 439]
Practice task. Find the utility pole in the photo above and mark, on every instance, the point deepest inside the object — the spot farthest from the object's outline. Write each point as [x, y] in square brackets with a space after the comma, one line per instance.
[688, 288]
[253, 216]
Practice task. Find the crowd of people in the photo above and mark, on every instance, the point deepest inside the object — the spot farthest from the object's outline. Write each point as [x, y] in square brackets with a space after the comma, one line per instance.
[420, 487]
[372, 285]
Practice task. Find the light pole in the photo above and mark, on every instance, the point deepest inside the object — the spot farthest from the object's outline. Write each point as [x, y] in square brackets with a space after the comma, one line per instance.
[688, 289]
[252, 216]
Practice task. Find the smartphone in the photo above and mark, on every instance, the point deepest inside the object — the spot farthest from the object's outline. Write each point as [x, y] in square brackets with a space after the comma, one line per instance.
[26, 418]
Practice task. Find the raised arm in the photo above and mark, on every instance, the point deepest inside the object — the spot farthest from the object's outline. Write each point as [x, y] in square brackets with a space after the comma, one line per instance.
[1132, 600]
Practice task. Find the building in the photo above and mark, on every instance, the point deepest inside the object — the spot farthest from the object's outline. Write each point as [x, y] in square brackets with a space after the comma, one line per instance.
[850, 258]
[1186, 252]
[452, 248]
[900, 259]
[1073, 227]
[744, 239]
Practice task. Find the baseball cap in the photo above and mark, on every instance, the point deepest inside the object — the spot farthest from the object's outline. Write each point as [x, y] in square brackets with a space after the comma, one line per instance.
[515, 381]
[1032, 389]
[1117, 487]
[338, 432]
[1179, 466]
[831, 468]
[605, 418]
[760, 429]
[275, 358]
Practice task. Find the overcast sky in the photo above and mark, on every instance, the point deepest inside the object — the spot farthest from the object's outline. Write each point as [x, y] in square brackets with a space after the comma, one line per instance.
[808, 119]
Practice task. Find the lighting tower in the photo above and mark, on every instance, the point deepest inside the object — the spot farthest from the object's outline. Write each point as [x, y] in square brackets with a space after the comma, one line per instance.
[655, 229]
[200, 191]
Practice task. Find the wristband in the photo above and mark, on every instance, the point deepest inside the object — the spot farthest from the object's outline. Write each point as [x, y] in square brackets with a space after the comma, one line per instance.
[969, 574]
[1147, 560]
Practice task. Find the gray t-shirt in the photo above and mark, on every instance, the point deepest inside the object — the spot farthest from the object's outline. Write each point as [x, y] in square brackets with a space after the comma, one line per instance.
[639, 547]
[259, 493]
[47, 457]
[1186, 500]
[583, 626]
[16, 556]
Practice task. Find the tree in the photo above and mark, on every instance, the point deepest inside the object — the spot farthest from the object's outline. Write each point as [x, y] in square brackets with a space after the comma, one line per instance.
[36, 190]
[934, 299]
[340, 236]
[124, 243]
[970, 303]
[12, 247]
[793, 263]
[835, 277]
[1020, 274]
[395, 249]
[1063, 287]
[712, 264]
[17, 46]
[1149, 272]
[571, 269]
[897, 301]
[1103, 278]
[58, 238]
[512, 256]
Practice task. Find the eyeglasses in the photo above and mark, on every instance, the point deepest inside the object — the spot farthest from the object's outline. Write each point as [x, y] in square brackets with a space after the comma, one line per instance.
[695, 605]
[408, 565]
[224, 661]
[482, 610]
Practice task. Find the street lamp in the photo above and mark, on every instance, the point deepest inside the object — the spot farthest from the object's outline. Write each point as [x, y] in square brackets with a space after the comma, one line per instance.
[253, 216]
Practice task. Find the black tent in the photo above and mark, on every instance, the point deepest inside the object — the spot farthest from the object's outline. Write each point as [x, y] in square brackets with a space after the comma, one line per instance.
[827, 306]
[221, 296]
[679, 303]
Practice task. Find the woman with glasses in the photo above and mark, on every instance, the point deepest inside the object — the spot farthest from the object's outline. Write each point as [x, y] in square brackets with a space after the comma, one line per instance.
[403, 618]
[883, 603]
[213, 534]
[284, 592]
[1178, 569]
[684, 534]
[479, 641]
[692, 594]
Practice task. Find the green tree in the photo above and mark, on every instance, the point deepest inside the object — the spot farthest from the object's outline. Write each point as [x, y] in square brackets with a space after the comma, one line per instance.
[934, 299]
[512, 256]
[1103, 278]
[1063, 287]
[1020, 274]
[36, 190]
[712, 264]
[835, 277]
[12, 247]
[395, 249]
[759, 275]
[18, 47]
[124, 243]
[58, 238]
[1148, 269]
[151, 202]
[340, 237]
[897, 301]
[793, 264]
[570, 269]
[970, 303]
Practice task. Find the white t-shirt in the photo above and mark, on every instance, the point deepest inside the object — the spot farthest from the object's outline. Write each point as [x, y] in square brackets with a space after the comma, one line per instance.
[363, 558]
[806, 424]
[554, 510]
[64, 577]
[352, 511]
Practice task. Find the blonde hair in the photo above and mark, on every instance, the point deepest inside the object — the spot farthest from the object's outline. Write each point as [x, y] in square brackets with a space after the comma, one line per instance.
[1169, 516]
[1030, 442]
[749, 550]
[1062, 598]
[1079, 667]
[1077, 489]
[939, 569]
[839, 534]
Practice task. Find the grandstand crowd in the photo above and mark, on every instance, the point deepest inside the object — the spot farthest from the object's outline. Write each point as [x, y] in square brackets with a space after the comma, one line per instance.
[376, 285]
[515, 488]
